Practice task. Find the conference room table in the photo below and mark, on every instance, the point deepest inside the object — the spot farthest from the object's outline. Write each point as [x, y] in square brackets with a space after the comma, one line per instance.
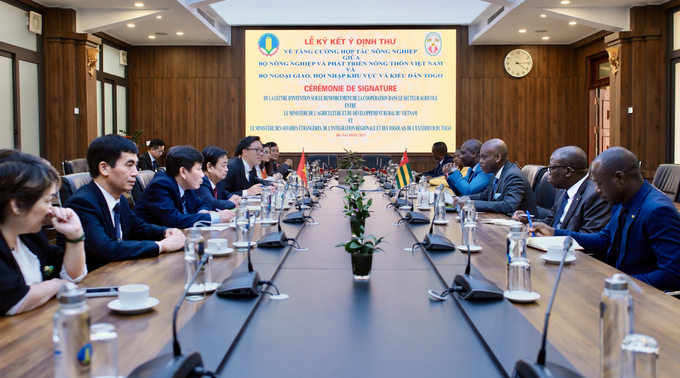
[332, 325]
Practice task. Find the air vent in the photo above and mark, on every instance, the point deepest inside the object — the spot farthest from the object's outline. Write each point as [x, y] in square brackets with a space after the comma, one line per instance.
[207, 18]
[493, 16]
[159, 33]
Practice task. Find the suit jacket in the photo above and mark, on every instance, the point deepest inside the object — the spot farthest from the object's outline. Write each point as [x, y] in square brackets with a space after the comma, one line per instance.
[281, 168]
[236, 182]
[650, 239]
[460, 185]
[12, 285]
[588, 212]
[144, 162]
[513, 193]
[437, 170]
[161, 204]
[205, 192]
[101, 243]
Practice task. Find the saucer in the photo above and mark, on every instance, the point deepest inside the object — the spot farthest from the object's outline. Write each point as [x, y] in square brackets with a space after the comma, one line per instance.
[521, 296]
[224, 252]
[254, 207]
[209, 288]
[244, 244]
[473, 248]
[117, 307]
[268, 221]
[457, 218]
[441, 222]
[425, 208]
[548, 260]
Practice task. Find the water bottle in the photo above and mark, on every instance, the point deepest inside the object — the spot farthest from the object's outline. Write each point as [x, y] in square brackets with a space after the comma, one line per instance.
[279, 197]
[71, 334]
[194, 247]
[266, 203]
[423, 194]
[616, 322]
[517, 247]
[469, 212]
[242, 221]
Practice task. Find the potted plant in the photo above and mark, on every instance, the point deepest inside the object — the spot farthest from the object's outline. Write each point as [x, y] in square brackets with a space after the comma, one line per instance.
[361, 248]
[355, 205]
[349, 162]
[136, 136]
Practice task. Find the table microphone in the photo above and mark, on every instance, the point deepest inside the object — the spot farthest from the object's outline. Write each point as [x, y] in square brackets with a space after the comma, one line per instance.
[297, 216]
[434, 242]
[524, 368]
[242, 283]
[276, 239]
[397, 202]
[175, 364]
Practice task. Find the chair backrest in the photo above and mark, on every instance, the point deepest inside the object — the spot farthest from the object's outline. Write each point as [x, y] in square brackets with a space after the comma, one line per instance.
[329, 160]
[75, 166]
[667, 180]
[376, 161]
[71, 183]
[544, 192]
[531, 173]
[141, 182]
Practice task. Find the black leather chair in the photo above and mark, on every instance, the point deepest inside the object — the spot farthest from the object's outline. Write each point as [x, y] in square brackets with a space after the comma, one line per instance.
[71, 183]
[141, 182]
[531, 172]
[329, 160]
[75, 166]
[376, 161]
[667, 180]
[544, 193]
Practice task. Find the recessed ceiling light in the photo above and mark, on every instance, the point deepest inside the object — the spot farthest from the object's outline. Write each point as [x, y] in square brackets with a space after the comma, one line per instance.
[180, 33]
[159, 17]
[522, 30]
[564, 2]
[152, 37]
[139, 4]
[131, 25]
[543, 16]
[572, 23]
[546, 38]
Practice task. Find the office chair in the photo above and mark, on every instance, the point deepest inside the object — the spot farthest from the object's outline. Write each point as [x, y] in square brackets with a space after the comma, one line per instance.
[532, 174]
[329, 160]
[667, 180]
[71, 183]
[544, 194]
[141, 182]
[376, 161]
[75, 166]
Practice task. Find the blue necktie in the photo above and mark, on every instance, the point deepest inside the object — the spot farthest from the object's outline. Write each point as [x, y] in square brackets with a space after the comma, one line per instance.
[613, 256]
[184, 205]
[560, 211]
[470, 173]
[495, 187]
[155, 166]
[116, 221]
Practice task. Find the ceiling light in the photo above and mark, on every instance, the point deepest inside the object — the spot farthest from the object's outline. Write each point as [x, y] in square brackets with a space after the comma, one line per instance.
[564, 2]
[546, 38]
[180, 33]
[152, 37]
[543, 16]
[572, 23]
[139, 4]
[522, 30]
[131, 25]
[159, 17]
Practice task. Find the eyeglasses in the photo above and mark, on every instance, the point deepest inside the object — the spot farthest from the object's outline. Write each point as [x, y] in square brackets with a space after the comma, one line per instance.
[259, 151]
[552, 167]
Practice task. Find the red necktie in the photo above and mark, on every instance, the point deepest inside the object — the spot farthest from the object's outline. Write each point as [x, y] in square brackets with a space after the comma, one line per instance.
[215, 191]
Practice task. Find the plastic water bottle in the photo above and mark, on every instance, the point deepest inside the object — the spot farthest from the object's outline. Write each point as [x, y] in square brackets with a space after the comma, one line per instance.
[266, 203]
[71, 334]
[517, 247]
[616, 322]
[194, 247]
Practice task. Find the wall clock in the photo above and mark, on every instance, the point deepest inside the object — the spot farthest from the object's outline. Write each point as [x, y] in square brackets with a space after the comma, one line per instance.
[518, 63]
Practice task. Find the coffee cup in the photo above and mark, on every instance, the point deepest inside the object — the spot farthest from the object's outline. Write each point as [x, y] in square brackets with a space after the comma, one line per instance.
[217, 246]
[133, 296]
[555, 252]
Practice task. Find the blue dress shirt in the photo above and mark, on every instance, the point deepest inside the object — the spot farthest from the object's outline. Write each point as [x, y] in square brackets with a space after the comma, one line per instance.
[463, 187]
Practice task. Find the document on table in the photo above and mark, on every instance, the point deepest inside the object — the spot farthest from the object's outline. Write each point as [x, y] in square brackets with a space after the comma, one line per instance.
[543, 242]
[217, 227]
[500, 222]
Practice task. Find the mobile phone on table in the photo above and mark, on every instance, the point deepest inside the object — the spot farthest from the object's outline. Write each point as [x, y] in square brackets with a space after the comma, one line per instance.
[109, 291]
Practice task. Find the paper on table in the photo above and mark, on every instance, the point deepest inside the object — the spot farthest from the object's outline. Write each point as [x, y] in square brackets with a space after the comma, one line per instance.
[500, 222]
[216, 227]
[448, 198]
[543, 242]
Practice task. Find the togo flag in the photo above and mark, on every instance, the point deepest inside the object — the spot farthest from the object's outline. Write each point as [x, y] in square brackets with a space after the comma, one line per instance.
[404, 176]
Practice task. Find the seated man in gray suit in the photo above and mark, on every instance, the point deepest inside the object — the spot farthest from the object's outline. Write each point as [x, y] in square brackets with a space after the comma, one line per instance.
[509, 190]
[578, 207]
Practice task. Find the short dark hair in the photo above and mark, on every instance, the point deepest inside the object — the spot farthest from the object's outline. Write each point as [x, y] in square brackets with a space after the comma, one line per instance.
[272, 144]
[181, 156]
[440, 147]
[108, 148]
[212, 154]
[245, 143]
[24, 178]
[155, 143]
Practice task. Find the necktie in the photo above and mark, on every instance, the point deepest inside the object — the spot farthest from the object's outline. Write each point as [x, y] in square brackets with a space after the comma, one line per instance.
[155, 166]
[116, 221]
[495, 187]
[251, 177]
[613, 256]
[215, 192]
[560, 211]
[184, 204]
[469, 176]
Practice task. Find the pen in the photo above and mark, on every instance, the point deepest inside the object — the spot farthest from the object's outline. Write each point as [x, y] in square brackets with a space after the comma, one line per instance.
[530, 225]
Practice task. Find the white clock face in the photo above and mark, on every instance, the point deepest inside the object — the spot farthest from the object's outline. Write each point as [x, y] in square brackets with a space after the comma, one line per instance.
[518, 63]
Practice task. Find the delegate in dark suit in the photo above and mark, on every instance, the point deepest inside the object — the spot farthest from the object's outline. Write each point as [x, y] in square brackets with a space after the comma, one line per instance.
[161, 204]
[648, 247]
[144, 163]
[236, 181]
[438, 169]
[219, 201]
[101, 244]
[587, 213]
[512, 192]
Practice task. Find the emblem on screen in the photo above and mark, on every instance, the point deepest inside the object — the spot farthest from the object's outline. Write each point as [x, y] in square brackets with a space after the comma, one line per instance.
[268, 44]
[433, 44]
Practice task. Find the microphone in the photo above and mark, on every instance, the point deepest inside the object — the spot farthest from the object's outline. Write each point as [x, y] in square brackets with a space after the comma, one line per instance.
[242, 283]
[276, 239]
[175, 364]
[434, 242]
[298, 216]
[400, 203]
[524, 368]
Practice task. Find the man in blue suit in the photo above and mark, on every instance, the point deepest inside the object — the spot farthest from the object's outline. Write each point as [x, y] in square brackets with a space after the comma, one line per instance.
[242, 176]
[642, 237]
[440, 153]
[476, 180]
[215, 170]
[170, 199]
[114, 232]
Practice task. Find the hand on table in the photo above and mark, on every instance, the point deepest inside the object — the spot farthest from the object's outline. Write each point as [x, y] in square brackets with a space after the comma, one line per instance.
[254, 190]
[174, 240]
[235, 199]
[542, 229]
[226, 215]
[520, 216]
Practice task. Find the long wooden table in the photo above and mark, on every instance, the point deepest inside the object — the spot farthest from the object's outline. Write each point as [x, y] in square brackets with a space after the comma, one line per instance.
[26, 347]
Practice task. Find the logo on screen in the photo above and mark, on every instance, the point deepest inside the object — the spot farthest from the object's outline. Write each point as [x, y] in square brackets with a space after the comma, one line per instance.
[268, 44]
[433, 44]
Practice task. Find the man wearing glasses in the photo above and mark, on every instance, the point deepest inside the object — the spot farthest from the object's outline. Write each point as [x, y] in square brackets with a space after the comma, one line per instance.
[242, 177]
[578, 207]
[148, 161]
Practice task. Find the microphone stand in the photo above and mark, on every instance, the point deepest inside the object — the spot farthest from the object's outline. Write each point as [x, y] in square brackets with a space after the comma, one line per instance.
[433, 242]
[242, 283]
[276, 239]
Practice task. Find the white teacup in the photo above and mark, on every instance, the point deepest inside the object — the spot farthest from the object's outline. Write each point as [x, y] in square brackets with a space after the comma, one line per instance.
[217, 246]
[133, 296]
[555, 252]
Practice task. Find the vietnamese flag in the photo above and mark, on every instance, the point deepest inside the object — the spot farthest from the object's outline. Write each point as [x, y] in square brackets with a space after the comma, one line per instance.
[301, 170]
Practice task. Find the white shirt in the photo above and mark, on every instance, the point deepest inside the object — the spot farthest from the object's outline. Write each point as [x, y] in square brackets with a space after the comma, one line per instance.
[571, 192]
[111, 203]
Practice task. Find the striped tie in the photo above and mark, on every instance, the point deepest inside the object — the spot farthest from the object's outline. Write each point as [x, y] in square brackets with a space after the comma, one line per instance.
[116, 221]
[184, 205]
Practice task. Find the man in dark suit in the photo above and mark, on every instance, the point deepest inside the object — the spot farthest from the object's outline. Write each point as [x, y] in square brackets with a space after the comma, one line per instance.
[578, 207]
[114, 232]
[282, 168]
[148, 161]
[476, 180]
[170, 198]
[440, 154]
[642, 237]
[242, 177]
[509, 189]
[215, 170]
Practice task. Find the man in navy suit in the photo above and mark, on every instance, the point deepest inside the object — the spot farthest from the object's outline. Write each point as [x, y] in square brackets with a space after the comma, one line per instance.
[170, 198]
[642, 237]
[282, 168]
[440, 154]
[215, 170]
[148, 161]
[242, 177]
[114, 232]
[476, 180]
